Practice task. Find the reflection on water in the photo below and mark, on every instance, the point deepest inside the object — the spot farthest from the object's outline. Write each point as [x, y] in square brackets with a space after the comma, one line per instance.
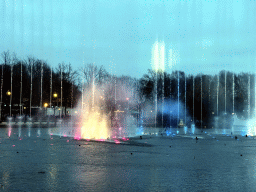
[52, 178]
[9, 131]
[29, 131]
[172, 163]
[19, 130]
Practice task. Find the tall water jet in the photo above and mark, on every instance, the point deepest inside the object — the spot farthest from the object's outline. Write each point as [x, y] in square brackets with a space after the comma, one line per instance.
[41, 98]
[193, 123]
[218, 85]
[163, 100]
[61, 92]
[2, 82]
[185, 108]
[31, 80]
[255, 95]
[178, 99]
[216, 119]
[201, 100]
[249, 96]
[82, 104]
[20, 88]
[225, 92]
[11, 92]
[156, 101]
[94, 121]
[234, 93]
[158, 62]
[51, 90]
[41, 95]
[72, 97]
[185, 100]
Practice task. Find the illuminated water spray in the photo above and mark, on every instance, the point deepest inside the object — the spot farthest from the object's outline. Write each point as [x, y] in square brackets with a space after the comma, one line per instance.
[94, 121]
[225, 92]
[185, 100]
[31, 80]
[255, 94]
[51, 90]
[178, 98]
[11, 91]
[21, 109]
[193, 99]
[158, 63]
[233, 93]
[201, 100]
[218, 85]
[41, 97]
[2, 82]
[249, 96]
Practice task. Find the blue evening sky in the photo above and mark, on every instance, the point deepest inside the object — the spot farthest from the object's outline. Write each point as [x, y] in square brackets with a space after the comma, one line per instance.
[204, 36]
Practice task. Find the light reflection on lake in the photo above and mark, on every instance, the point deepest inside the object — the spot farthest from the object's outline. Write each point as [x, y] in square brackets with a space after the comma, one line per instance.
[163, 163]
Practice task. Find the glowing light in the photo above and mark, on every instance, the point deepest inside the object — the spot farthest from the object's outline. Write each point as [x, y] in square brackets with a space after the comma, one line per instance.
[158, 56]
[94, 123]
[125, 139]
[77, 138]
[94, 126]
[100, 140]
[46, 105]
[117, 141]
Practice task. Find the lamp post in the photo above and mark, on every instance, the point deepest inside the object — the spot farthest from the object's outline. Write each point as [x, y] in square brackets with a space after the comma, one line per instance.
[45, 106]
[10, 94]
[55, 95]
[127, 99]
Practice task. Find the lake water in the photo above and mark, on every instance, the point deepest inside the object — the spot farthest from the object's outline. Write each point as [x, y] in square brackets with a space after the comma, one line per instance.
[34, 160]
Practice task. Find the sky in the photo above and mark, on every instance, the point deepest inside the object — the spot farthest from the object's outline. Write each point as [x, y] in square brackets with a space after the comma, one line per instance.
[199, 36]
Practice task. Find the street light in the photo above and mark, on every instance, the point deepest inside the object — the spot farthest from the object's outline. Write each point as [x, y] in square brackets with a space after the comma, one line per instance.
[45, 106]
[127, 99]
[55, 95]
[9, 93]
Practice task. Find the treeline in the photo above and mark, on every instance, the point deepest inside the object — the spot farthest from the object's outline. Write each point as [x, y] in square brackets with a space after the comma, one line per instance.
[16, 84]
[175, 95]
[200, 96]
[19, 75]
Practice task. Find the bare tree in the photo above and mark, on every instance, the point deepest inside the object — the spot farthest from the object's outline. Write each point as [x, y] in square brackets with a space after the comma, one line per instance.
[6, 60]
[92, 73]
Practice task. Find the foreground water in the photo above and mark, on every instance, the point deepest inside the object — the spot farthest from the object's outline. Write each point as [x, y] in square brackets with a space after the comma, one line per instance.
[34, 160]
